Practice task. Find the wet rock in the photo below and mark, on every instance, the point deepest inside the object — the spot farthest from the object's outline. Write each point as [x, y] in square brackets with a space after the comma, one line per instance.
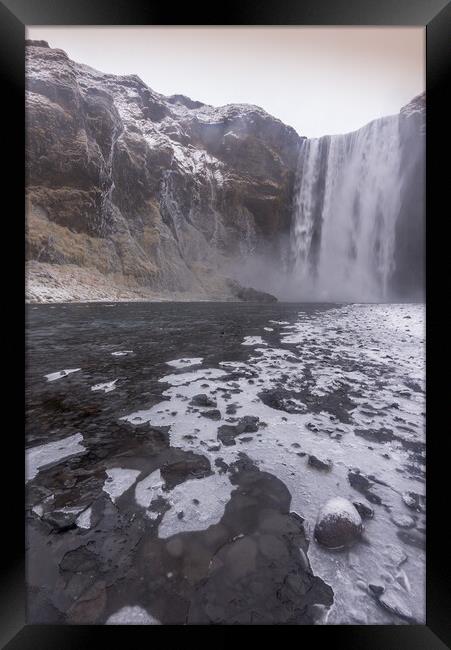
[338, 524]
[261, 575]
[314, 461]
[203, 400]
[364, 511]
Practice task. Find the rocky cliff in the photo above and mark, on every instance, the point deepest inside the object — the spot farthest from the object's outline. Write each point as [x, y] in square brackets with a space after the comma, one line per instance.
[135, 195]
[131, 194]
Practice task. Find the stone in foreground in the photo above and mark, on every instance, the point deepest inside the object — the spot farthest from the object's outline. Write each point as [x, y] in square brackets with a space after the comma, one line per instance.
[338, 524]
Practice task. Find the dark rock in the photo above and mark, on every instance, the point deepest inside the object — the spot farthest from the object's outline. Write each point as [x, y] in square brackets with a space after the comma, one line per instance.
[247, 294]
[338, 524]
[281, 399]
[376, 435]
[61, 520]
[364, 511]
[223, 467]
[377, 590]
[31, 43]
[214, 414]
[203, 400]
[227, 432]
[314, 461]
[188, 465]
[363, 485]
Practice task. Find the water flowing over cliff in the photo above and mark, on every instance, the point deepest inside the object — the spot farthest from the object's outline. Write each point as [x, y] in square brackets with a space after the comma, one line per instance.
[135, 195]
[349, 227]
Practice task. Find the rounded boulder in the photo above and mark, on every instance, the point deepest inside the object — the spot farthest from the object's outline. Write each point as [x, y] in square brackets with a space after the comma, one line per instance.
[338, 524]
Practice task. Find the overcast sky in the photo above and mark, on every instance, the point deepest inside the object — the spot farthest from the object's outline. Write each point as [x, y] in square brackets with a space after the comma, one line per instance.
[318, 80]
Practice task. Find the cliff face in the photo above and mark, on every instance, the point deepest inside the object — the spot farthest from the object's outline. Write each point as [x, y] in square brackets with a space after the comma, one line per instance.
[410, 273]
[131, 193]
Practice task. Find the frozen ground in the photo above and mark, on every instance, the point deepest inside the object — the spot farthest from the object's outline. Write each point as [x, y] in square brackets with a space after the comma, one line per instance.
[343, 385]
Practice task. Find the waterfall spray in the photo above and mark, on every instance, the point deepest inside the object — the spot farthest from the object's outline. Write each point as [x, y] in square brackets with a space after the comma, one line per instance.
[347, 200]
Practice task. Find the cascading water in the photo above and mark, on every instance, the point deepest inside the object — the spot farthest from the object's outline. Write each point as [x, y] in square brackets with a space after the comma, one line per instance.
[346, 204]
[108, 185]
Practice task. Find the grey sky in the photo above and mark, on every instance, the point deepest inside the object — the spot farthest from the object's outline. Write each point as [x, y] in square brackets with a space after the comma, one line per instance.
[318, 80]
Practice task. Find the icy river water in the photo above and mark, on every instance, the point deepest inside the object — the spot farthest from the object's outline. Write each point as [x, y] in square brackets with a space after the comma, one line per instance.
[178, 455]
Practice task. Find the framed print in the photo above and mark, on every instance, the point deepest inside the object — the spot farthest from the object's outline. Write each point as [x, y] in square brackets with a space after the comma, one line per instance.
[230, 299]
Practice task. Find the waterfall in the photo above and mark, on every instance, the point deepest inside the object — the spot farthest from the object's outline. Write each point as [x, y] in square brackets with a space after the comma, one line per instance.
[346, 203]
[108, 185]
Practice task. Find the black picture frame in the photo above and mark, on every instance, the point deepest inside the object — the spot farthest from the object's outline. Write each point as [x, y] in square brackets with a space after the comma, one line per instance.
[435, 16]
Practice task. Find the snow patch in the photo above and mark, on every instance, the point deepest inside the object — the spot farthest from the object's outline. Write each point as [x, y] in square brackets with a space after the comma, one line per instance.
[53, 376]
[84, 519]
[39, 457]
[132, 616]
[202, 502]
[149, 489]
[253, 340]
[119, 481]
[185, 363]
[106, 387]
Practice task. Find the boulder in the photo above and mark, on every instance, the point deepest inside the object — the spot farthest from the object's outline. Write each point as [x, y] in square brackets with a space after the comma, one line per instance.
[338, 524]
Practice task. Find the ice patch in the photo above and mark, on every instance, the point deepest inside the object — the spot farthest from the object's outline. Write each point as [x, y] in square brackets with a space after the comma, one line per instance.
[38, 510]
[61, 373]
[106, 387]
[339, 508]
[122, 353]
[84, 519]
[190, 377]
[119, 481]
[202, 502]
[185, 363]
[253, 340]
[149, 489]
[39, 457]
[132, 616]
[269, 329]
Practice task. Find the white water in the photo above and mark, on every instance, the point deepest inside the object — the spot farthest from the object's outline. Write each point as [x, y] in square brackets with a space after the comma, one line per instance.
[347, 200]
